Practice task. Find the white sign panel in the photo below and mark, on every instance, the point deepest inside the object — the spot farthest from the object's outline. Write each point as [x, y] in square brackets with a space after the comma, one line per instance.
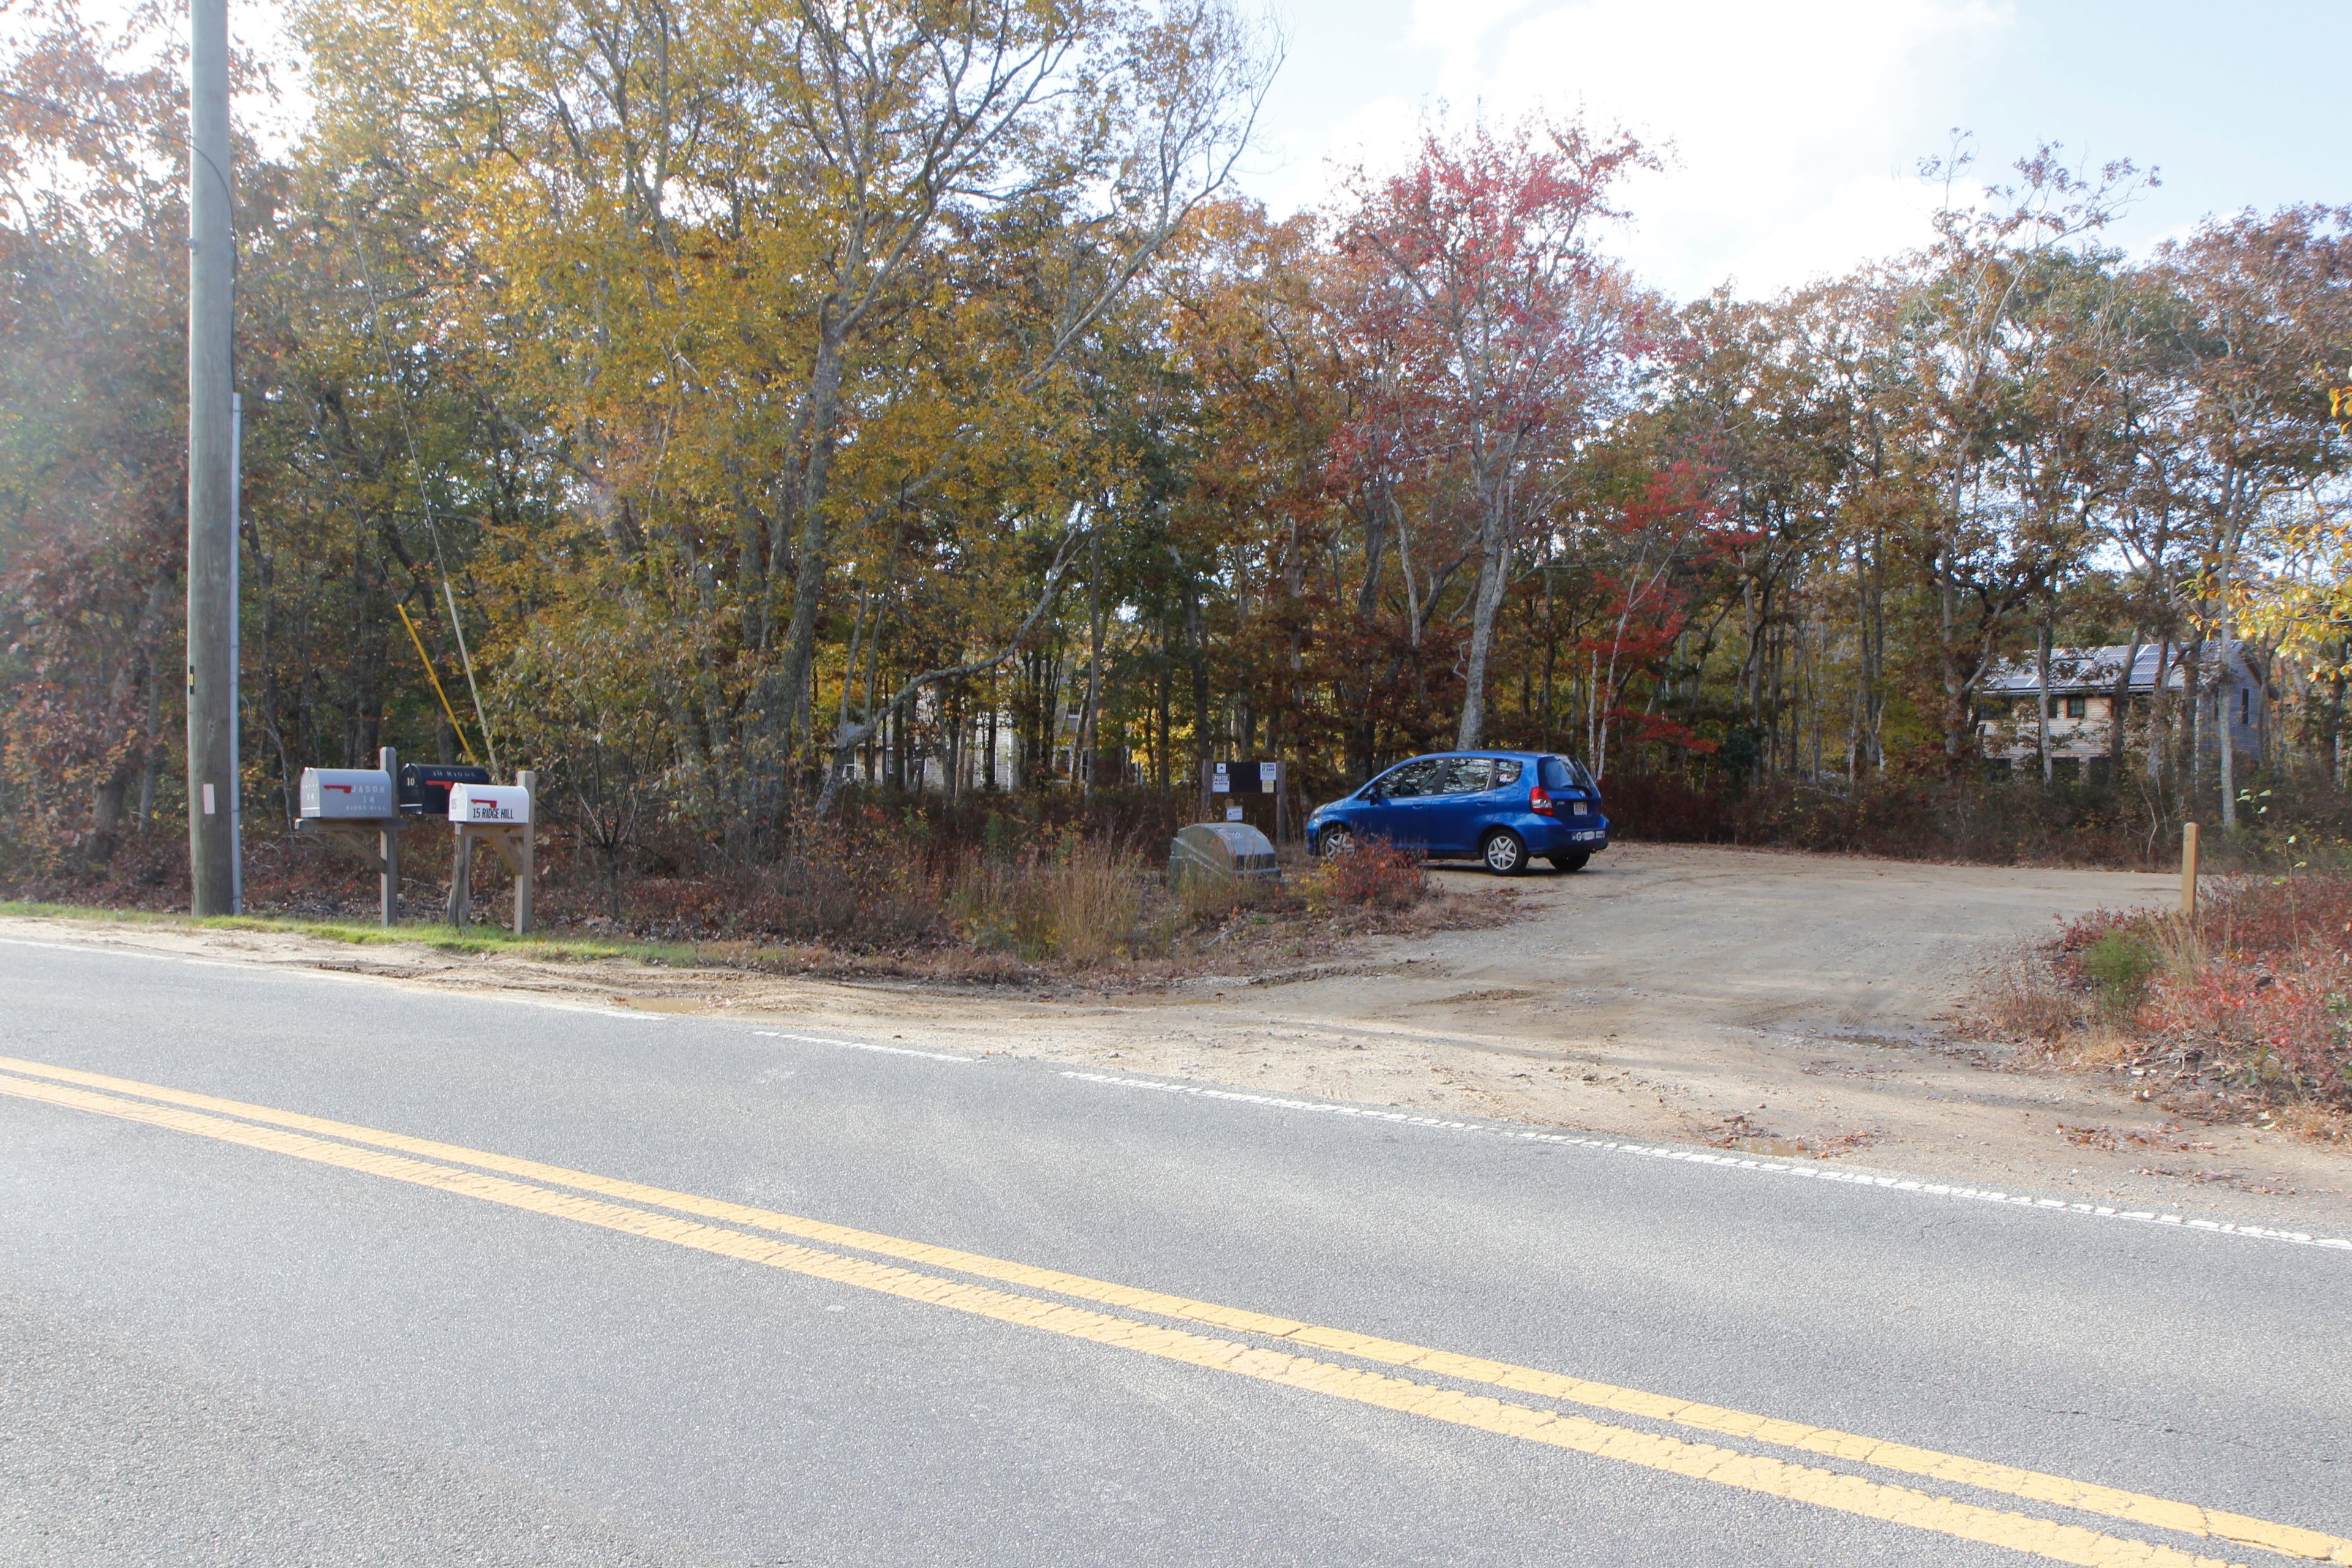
[1220, 783]
[1266, 773]
[503, 805]
[1233, 813]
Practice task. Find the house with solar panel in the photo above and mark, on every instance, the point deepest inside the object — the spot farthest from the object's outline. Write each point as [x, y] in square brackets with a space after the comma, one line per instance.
[2086, 685]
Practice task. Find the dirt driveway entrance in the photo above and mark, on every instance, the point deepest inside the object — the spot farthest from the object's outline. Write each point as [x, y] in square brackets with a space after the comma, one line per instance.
[1784, 1004]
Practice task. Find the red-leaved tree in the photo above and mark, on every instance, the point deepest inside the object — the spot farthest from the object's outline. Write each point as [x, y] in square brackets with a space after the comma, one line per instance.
[1506, 332]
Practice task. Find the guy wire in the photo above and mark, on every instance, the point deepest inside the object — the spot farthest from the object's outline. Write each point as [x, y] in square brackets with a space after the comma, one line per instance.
[425, 502]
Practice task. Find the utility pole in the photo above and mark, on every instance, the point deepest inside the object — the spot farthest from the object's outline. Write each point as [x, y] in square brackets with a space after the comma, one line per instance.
[213, 847]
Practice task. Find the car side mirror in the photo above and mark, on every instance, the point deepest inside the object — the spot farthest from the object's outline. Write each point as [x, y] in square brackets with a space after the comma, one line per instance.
[1376, 794]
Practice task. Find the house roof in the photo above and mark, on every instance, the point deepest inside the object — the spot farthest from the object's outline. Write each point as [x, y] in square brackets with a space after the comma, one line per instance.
[2094, 670]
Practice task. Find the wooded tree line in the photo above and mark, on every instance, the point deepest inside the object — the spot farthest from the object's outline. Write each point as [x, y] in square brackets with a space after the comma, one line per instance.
[775, 396]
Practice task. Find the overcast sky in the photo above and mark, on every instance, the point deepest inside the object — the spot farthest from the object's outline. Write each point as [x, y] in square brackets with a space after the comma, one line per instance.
[1796, 125]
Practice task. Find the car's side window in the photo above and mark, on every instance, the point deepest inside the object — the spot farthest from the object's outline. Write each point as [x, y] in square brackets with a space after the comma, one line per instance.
[1507, 772]
[1414, 778]
[1468, 775]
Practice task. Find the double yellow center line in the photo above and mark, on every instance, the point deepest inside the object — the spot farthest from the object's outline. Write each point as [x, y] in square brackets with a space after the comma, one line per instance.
[636, 1209]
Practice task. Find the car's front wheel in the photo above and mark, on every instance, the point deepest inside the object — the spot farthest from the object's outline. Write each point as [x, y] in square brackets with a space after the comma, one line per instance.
[1333, 841]
[1504, 852]
[1575, 862]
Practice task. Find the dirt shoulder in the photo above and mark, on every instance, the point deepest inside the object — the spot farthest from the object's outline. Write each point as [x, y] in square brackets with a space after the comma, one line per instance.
[1786, 1004]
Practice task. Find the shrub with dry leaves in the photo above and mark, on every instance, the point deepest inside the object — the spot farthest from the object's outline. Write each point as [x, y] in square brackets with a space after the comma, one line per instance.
[2250, 1004]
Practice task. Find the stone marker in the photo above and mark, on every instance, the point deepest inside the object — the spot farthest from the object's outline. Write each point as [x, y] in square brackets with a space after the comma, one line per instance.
[1215, 853]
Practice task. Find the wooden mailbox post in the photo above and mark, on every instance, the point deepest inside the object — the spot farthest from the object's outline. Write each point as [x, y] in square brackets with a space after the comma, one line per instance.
[503, 819]
[332, 810]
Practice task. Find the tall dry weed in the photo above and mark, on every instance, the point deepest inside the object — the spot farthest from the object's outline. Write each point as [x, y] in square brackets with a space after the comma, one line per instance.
[2024, 998]
[1079, 901]
[2179, 950]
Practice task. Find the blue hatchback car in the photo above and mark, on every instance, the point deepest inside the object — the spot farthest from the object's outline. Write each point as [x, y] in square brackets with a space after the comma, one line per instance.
[1505, 809]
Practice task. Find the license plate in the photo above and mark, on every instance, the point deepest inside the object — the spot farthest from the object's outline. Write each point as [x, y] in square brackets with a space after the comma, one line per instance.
[1580, 809]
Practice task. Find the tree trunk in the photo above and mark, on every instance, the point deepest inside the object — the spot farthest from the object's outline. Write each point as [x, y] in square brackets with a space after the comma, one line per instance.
[2119, 708]
[1092, 722]
[790, 685]
[106, 819]
[988, 760]
[1493, 576]
[2042, 706]
[153, 765]
[2192, 694]
[1954, 687]
[1194, 636]
[1160, 745]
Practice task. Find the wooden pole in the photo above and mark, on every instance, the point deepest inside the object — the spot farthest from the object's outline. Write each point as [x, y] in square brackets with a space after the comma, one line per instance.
[387, 841]
[212, 470]
[461, 876]
[2187, 870]
[528, 780]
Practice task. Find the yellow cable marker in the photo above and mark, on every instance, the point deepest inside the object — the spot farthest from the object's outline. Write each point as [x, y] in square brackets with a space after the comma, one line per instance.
[467, 746]
[1827, 1489]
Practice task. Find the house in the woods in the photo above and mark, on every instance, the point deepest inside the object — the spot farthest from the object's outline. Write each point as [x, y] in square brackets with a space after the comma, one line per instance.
[930, 747]
[2231, 701]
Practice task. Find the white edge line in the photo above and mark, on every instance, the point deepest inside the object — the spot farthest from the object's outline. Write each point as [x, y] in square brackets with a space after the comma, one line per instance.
[864, 1046]
[91, 947]
[311, 972]
[1706, 1157]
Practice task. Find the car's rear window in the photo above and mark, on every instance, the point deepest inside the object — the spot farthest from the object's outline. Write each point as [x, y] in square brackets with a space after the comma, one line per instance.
[1555, 775]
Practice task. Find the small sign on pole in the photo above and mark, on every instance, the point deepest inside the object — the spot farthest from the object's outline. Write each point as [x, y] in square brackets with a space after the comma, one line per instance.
[1243, 778]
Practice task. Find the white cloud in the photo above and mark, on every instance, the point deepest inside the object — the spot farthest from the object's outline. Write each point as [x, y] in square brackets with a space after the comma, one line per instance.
[1793, 127]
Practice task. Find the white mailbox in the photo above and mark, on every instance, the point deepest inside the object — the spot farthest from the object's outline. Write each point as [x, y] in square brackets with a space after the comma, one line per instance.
[502, 806]
[338, 793]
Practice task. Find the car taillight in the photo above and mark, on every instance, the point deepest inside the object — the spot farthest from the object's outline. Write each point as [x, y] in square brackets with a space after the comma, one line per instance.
[1539, 801]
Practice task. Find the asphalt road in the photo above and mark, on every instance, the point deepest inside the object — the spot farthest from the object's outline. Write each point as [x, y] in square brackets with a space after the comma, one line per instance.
[228, 1335]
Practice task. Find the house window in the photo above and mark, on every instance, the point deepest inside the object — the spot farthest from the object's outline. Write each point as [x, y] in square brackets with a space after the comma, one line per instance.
[2076, 706]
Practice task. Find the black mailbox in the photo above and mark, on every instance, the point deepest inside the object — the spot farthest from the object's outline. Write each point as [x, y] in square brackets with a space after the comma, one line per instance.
[425, 787]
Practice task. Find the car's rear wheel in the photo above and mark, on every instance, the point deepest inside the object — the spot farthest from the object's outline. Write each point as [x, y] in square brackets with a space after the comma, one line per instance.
[1504, 852]
[1334, 840]
[1575, 862]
